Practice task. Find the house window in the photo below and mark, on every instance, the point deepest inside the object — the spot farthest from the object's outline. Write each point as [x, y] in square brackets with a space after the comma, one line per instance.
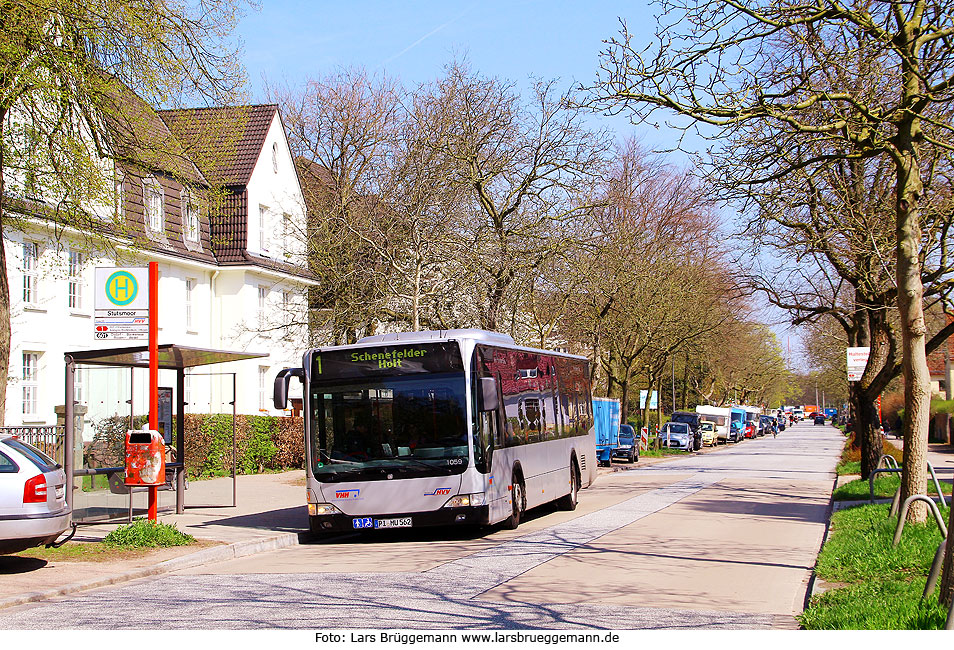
[152, 202]
[286, 235]
[30, 382]
[263, 388]
[190, 215]
[75, 289]
[189, 290]
[262, 296]
[275, 157]
[286, 301]
[262, 220]
[31, 263]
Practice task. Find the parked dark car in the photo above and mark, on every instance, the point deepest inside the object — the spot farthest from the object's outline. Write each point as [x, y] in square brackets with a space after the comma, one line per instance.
[628, 444]
[692, 419]
[768, 425]
[819, 419]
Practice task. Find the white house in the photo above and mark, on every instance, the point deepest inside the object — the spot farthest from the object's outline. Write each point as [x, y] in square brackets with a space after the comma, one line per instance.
[225, 220]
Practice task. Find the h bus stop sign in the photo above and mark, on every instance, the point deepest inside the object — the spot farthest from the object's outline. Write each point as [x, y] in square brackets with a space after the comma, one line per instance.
[121, 304]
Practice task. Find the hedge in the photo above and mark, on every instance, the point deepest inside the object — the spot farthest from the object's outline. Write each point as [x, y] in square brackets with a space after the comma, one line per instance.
[262, 443]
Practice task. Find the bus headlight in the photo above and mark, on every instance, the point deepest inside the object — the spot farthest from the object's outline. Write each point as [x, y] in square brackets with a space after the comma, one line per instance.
[465, 500]
[315, 509]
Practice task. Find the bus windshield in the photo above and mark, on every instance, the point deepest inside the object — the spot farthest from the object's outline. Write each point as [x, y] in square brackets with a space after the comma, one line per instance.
[409, 425]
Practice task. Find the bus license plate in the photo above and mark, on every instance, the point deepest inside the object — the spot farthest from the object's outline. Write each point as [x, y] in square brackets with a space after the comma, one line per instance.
[403, 522]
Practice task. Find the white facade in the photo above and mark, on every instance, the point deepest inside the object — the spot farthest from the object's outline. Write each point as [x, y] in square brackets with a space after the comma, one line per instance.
[201, 304]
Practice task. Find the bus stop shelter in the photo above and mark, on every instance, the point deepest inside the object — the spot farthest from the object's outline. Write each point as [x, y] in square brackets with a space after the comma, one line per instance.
[171, 357]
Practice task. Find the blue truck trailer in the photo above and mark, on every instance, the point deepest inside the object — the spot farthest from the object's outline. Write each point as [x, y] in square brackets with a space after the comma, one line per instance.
[606, 414]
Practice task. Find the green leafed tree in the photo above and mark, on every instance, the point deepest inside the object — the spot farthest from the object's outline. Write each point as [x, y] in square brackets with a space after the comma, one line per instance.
[63, 64]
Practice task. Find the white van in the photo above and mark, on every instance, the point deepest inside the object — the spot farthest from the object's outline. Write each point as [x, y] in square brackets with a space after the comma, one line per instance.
[720, 417]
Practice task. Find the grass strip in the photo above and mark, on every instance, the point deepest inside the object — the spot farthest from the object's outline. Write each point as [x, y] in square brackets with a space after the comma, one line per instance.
[882, 585]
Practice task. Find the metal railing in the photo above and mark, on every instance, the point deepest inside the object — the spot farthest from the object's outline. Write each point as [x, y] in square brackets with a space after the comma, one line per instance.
[50, 439]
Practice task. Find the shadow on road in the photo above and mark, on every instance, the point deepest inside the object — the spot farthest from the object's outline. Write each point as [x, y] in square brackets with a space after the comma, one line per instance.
[10, 565]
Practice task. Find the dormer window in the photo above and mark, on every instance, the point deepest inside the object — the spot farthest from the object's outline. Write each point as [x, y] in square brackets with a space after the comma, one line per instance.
[275, 157]
[190, 217]
[152, 203]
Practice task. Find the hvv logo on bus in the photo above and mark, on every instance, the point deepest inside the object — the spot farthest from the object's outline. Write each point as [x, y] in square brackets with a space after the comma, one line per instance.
[438, 492]
[347, 494]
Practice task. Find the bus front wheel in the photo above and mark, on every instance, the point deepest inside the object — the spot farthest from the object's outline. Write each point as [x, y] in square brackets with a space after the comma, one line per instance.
[517, 501]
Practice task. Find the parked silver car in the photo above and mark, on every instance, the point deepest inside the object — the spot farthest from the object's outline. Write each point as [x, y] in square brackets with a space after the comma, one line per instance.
[33, 509]
[677, 434]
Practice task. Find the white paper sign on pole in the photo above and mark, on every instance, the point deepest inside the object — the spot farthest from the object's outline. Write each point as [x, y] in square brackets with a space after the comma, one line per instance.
[857, 360]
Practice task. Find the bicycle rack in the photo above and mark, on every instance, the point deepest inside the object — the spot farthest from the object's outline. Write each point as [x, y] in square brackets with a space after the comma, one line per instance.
[896, 470]
[893, 463]
[904, 512]
[871, 478]
[935, 569]
[938, 562]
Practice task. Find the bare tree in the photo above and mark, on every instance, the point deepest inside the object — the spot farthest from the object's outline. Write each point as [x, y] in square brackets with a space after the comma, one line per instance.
[342, 130]
[524, 169]
[764, 65]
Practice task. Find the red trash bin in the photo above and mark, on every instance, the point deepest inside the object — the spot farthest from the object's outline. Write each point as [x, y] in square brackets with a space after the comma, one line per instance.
[145, 458]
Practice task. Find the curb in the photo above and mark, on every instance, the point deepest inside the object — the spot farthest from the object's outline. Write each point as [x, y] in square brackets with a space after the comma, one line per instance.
[205, 556]
[813, 588]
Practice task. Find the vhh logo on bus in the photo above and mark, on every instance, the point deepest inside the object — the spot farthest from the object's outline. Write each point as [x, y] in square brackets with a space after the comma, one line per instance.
[347, 494]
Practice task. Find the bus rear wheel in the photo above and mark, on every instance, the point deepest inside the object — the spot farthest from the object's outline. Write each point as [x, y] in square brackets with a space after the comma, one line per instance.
[569, 501]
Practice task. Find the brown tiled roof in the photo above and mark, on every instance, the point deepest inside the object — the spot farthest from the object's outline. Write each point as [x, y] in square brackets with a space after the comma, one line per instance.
[139, 136]
[230, 228]
[225, 142]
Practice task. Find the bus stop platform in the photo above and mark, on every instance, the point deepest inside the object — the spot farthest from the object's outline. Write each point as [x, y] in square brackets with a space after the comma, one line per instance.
[270, 514]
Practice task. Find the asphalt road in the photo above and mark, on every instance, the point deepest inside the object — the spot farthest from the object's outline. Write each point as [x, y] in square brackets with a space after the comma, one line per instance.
[721, 540]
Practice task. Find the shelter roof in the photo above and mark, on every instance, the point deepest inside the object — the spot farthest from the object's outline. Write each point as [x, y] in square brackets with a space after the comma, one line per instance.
[171, 356]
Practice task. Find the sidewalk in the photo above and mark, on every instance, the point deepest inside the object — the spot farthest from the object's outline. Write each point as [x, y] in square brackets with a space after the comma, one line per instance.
[269, 514]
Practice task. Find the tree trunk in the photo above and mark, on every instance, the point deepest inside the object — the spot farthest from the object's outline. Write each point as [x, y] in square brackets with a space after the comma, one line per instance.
[4, 295]
[624, 401]
[685, 385]
[917, 380]
[866, 392]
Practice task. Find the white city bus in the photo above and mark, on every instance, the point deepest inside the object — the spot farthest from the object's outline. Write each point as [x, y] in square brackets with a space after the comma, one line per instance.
[438, 428]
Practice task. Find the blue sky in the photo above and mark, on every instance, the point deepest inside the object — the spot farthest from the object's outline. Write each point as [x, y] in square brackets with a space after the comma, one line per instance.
[287, 41]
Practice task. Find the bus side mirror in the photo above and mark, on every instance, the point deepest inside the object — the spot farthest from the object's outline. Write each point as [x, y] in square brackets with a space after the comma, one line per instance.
[488, 394]
[280, 396]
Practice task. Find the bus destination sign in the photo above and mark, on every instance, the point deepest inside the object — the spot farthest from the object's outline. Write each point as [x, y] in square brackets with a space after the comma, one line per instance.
[387, 360]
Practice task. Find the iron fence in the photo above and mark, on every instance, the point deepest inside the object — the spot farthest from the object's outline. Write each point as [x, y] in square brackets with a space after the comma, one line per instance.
[50, 439]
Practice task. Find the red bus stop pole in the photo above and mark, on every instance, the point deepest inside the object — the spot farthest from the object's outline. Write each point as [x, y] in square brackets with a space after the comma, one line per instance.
[153, 372]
